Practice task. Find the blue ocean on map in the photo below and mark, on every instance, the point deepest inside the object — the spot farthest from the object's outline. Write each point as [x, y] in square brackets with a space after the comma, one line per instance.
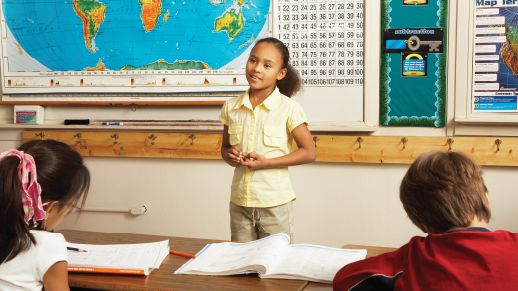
[51, 32]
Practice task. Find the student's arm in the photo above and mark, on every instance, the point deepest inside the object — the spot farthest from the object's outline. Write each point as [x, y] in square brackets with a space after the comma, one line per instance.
[376, 273]
[305, 153]
[231, 154]
[56, 277]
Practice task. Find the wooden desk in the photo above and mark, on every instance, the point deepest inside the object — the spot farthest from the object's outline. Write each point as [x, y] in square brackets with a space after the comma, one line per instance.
[371, 252]
[164, 278]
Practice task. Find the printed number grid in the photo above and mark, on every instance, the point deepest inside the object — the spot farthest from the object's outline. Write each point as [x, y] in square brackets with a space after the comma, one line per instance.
[325, 39]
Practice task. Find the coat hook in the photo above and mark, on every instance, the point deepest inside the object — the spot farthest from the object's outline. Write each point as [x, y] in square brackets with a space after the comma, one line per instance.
[404, 141]
[450, 141]
[116, 137]
[133, 107]
[41, 134]
[498, 142]
[79, 136]
[153, 137]
[192, 137]
[316, 139]
[360, 140]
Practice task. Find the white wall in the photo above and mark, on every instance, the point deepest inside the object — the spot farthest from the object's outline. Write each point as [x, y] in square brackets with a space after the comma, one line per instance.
[337, 203]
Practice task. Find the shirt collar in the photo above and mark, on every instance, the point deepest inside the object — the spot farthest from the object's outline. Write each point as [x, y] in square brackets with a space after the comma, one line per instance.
[476, 229]
[271, 102]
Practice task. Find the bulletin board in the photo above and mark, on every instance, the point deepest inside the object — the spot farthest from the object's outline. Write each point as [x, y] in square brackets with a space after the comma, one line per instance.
[413, 63]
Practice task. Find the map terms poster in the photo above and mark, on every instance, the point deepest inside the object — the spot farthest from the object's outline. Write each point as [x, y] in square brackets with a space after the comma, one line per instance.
[495, 65]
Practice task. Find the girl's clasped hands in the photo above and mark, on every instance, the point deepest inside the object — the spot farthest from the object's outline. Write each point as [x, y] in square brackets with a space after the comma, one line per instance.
[251, 160]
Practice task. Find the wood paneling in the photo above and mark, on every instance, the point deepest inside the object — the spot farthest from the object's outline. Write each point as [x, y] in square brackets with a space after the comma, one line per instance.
[387, 149]
[137, 144]
[330, 148]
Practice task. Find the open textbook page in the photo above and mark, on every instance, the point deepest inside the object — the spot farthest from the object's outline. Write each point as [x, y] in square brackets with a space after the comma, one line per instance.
[312, 263]
[126, 258]
[237, 258]
[272, 257]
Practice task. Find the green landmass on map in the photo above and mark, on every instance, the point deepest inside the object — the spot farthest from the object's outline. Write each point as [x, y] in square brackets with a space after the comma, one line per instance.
[509, 49]
[230, 22]
[247, 42]
[91, 13]
[163, 65]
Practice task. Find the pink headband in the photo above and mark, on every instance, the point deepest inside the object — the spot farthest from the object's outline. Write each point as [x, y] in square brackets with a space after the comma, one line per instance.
[31, 193]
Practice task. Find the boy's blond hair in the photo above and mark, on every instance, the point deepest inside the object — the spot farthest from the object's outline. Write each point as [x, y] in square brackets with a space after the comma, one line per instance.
[444, 190]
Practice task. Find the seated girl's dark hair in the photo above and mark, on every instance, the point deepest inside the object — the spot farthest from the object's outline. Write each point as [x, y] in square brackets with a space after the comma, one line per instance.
[63, 177]
[291, 83]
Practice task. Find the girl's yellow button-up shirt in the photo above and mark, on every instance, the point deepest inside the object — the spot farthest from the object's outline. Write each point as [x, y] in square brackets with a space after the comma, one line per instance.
[267, 131]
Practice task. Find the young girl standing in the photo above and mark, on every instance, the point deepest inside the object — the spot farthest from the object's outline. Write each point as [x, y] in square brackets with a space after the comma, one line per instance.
[260, 127]
[40, 183]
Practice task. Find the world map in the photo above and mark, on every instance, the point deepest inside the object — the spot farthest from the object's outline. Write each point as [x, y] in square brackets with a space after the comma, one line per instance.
[90, 35]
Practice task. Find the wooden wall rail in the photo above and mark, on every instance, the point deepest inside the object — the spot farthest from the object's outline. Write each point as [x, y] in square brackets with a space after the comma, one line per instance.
[136, 144]
[497, 151]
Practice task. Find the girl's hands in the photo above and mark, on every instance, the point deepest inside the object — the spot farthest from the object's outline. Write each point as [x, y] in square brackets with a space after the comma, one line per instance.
[235, 156]
[254, 161]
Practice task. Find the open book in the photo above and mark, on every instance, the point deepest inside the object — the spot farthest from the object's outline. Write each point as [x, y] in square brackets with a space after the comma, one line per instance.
[272, 257]
[132, 259]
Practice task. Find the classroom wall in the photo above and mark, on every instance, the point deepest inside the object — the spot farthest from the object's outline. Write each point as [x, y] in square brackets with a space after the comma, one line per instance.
[337, 203]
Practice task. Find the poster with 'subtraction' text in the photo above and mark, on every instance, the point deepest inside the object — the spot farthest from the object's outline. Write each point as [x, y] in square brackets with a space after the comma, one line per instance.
[495, 61]
[413, 62]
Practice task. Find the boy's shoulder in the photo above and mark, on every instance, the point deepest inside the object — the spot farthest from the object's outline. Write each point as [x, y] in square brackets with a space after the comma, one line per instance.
[436, 258]
[463, 241]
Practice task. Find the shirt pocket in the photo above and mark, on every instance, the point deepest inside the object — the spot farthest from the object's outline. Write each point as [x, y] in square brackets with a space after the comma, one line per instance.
[274, 135]
[235, 132]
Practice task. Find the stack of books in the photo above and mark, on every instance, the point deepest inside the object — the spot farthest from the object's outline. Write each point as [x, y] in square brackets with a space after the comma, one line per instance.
[133, 259]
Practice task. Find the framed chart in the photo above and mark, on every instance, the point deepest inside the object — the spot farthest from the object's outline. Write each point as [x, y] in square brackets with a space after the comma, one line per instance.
[487, 79]
[325, 38]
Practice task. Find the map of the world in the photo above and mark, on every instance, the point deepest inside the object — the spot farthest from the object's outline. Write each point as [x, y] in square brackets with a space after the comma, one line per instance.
[89, 35]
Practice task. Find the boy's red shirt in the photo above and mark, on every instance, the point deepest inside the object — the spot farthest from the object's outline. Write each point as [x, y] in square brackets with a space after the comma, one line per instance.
[468, 259]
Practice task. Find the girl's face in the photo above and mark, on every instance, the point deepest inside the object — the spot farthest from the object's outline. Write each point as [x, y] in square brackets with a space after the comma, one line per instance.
[56, 213]
[264, 67]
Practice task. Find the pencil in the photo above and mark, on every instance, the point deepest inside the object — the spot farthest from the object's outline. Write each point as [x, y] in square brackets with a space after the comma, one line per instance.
[182, 254]
[75, 249]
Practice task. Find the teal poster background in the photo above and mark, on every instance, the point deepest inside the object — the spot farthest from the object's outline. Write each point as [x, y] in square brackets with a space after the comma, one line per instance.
[413, 101]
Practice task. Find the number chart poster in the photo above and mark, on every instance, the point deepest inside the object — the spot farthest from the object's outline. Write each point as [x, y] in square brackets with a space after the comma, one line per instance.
[495, 79]
[413, 62]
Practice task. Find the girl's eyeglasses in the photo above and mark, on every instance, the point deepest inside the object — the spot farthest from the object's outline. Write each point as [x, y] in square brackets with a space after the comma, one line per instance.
[73, 208]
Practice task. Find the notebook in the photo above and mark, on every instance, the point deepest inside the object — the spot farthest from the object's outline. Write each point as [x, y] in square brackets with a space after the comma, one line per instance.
[133, 259]
[272, 257]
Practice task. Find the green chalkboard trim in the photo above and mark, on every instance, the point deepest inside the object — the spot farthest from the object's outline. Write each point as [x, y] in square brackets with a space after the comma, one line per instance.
[384, 66]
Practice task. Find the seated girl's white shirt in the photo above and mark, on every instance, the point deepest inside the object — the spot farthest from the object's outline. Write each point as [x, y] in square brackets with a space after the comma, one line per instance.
[25, 271]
